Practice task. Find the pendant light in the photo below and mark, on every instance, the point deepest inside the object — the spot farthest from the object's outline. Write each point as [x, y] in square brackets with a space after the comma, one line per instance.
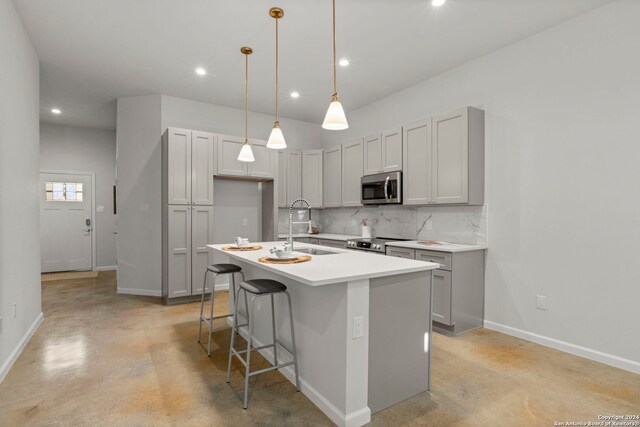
[335, 118]
[246, 154]
[276, 139]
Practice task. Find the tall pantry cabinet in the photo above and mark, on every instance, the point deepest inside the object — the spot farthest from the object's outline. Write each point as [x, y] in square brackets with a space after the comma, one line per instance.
[187, 211]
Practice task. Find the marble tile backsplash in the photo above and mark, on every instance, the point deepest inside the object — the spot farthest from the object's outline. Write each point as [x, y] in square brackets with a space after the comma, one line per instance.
[456, 224]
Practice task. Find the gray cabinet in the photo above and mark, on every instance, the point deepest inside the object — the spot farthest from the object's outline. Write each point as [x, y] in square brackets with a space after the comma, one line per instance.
[201, 236]
[416, 170]
[228, 164]
[332, 243]
[352, 171]
[188, 165]
[294, 175]
[282, 179]
[383, 152]
[178, 265]
[458, 290]
[443, 159]
[332, 176]
[312, 177]
[401, 252]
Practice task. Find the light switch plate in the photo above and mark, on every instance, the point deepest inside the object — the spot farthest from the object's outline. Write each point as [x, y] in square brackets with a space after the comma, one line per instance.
[100, 209]
[541, 302]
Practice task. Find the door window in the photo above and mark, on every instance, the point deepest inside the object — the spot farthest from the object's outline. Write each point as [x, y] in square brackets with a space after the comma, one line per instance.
[63, 191]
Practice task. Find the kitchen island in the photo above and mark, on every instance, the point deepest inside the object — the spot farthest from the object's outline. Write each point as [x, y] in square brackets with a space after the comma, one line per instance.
[349, 371]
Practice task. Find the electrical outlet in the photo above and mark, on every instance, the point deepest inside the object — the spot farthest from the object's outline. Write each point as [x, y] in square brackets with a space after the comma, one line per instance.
[541, 302]
[1, 324]
[244, 221]
[358, 327]
[13, 310]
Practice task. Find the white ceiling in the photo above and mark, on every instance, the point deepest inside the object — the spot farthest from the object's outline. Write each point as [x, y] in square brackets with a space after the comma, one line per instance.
[93, 51]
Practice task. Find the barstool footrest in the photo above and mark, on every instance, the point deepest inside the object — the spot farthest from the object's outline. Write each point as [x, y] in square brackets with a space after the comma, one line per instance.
[271, 368]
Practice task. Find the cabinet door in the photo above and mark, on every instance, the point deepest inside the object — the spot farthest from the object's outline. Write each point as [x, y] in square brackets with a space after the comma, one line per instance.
[401, 252]
[332, 243]
[179, 167]
[294, 176]
[179, 242]
[312, 177]
[352, 170]
[314, 241]
[228, 149]
[282, 179]
[441, 297]
[262, 167]
[451, 158]
[372, 155]
[202, 155]
[391, 143]
[332, 176]
[416, 170]
[201, 236]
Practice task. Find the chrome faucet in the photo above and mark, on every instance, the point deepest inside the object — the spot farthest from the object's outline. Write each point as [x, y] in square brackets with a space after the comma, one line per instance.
[291, 222]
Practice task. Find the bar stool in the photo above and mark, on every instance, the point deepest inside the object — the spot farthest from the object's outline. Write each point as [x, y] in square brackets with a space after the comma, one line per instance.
[259, 288]
[216, 270]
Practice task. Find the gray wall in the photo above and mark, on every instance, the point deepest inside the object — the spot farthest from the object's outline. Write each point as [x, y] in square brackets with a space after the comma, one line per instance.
[141, 122]
[562, 114]
[19, 177]
[79, 149]
[139, 243]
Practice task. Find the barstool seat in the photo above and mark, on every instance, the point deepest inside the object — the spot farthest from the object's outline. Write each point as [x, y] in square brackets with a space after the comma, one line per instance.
[263, 286]
[224, 268]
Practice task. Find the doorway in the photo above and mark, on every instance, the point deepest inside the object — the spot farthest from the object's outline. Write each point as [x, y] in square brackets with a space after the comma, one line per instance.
[66, 221]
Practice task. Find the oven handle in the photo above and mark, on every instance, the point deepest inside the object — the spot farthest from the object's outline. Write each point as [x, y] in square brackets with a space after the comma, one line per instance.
[386, 189]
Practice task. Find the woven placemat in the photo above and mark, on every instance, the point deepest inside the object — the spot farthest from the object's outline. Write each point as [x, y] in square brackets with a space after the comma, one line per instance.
[267, 260]
[242, 248]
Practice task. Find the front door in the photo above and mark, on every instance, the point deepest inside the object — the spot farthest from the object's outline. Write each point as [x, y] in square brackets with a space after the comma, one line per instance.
[65, 222]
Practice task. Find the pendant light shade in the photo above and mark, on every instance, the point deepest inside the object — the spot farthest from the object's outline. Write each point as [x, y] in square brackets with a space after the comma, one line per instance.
[246, 153]
[335, 118]
[276, 138]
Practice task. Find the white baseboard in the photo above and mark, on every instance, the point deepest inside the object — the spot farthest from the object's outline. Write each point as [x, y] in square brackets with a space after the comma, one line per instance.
[353, 419]
[6, 366]
[107, 268]
[587, 353]
[222, 287]
[141, 292]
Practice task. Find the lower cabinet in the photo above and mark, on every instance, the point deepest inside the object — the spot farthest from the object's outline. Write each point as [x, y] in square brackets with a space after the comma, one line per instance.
[458, 288]
[332, 243]
[188, 229]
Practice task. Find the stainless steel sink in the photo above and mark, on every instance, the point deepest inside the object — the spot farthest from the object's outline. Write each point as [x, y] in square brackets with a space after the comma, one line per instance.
[314, 251]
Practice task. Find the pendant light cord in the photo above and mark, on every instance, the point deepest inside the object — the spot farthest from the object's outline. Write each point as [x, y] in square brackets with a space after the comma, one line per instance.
[277, 70]
[246, 96]
[335, 90]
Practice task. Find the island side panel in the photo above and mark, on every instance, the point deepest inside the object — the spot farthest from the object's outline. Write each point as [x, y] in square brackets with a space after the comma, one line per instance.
[399, 338]
[320, 316]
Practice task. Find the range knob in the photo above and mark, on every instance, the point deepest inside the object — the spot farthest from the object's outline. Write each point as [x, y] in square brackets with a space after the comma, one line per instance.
[376, 246]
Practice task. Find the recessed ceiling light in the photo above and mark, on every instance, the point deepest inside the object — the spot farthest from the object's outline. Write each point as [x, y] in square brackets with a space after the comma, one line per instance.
[201, 71]
[295, 95]
[56, 111]
[437, 3]
[343, 62]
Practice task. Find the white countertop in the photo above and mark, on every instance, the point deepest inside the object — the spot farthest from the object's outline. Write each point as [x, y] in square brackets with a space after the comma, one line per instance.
[445, 247]
[321, 270]
[328, 236]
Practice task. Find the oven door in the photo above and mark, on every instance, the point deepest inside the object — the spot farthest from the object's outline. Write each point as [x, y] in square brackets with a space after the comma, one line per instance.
[380, 189]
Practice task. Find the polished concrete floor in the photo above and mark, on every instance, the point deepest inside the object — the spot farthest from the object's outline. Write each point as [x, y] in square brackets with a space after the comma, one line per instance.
[105, 359]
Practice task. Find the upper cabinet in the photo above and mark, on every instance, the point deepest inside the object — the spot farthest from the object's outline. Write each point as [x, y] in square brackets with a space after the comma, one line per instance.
[383, 152]
[289, 176]
[416, 169]
[444, 159]
[228, 164]
[332, 176]
[352, 171]
[312, 177]
[458, 157]
[188, 158]
[282, 179]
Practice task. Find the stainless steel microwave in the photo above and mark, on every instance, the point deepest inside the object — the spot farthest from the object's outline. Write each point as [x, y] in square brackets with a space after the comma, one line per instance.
[382, 188]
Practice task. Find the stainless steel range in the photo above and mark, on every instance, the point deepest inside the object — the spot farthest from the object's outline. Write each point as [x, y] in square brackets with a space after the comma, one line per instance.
[374, 244]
